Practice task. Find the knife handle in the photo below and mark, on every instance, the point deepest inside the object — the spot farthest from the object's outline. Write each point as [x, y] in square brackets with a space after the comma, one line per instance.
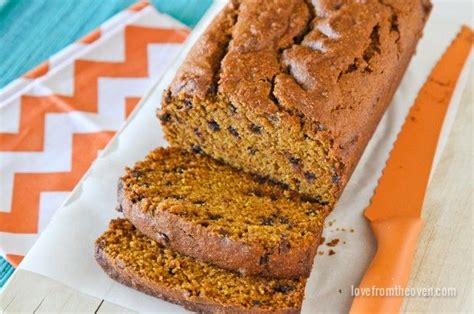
[391, 266]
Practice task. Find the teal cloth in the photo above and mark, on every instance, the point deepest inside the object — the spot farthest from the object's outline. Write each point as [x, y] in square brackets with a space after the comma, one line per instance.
[6, 270]
[33, 30]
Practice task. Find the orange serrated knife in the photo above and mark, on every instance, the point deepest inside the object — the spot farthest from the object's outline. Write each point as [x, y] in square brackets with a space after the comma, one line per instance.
[395, 209]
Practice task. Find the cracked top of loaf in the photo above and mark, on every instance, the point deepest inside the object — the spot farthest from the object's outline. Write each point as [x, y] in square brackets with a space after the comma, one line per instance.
[333, 63]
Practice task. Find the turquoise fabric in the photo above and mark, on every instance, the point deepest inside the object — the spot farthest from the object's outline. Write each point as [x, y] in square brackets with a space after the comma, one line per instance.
[6, 270]
[33, 30]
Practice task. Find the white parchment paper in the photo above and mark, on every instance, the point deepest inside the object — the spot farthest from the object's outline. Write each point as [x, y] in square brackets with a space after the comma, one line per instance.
[64, 251]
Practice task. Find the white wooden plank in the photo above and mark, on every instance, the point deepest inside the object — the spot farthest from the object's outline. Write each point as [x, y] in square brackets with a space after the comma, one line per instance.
[29, 292]
[107, 307]
[64, 299]
[24, 293]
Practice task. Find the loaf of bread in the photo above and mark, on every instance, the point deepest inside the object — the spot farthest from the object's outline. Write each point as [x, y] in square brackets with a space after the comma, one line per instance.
[293, 89]
[202, 208]
[133, 259]
[267, 118]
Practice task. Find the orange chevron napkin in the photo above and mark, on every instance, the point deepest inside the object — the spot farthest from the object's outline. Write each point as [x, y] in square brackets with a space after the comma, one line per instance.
[56, 119]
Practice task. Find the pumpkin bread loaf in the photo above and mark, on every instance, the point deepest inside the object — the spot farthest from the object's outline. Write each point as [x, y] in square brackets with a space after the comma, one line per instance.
[210, 211]
[293, 89]
[287, 93]
[135, 260]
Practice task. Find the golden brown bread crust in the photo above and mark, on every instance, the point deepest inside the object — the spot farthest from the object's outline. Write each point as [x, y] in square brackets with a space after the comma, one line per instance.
[203, 61]
[117, 270]
[194, 240]
[332, 64]
[200, 305]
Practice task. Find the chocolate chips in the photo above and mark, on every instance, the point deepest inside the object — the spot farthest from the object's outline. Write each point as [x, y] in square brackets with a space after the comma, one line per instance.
[196, 149]
[282, 288]
[252, 151]
[188, 104]
[137, 173]
[138, 197]
[214, 126]
[214, 216]
[199, 202]
[256, 192]
[234, 132]
[294, 161]
[179, 169]
[264, 259]
[267, 221]
[260, 179]
[164, 117]
[233, 109]
[310, 177]
[310, 199]
[256, 129]
[168, 97]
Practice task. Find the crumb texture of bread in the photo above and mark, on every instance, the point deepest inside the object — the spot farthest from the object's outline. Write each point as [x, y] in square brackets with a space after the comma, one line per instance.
[293, 89]
[137, 261]
[205, 209]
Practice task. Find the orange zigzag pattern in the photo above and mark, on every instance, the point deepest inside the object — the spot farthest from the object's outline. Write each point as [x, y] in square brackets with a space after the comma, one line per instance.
[86, 73]
[15, 260]
[23, 217]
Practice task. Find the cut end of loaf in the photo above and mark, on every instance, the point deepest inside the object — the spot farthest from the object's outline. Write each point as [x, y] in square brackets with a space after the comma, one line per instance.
[280, 145]
[191, 203]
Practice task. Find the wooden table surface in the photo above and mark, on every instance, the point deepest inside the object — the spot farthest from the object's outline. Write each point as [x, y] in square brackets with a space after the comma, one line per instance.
[443, 259]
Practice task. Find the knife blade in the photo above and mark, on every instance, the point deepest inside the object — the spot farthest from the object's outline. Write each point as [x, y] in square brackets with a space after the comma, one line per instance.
[395, 209]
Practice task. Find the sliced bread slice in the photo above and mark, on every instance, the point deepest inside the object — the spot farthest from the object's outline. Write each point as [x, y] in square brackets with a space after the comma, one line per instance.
[205, 209]
[135, 260]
